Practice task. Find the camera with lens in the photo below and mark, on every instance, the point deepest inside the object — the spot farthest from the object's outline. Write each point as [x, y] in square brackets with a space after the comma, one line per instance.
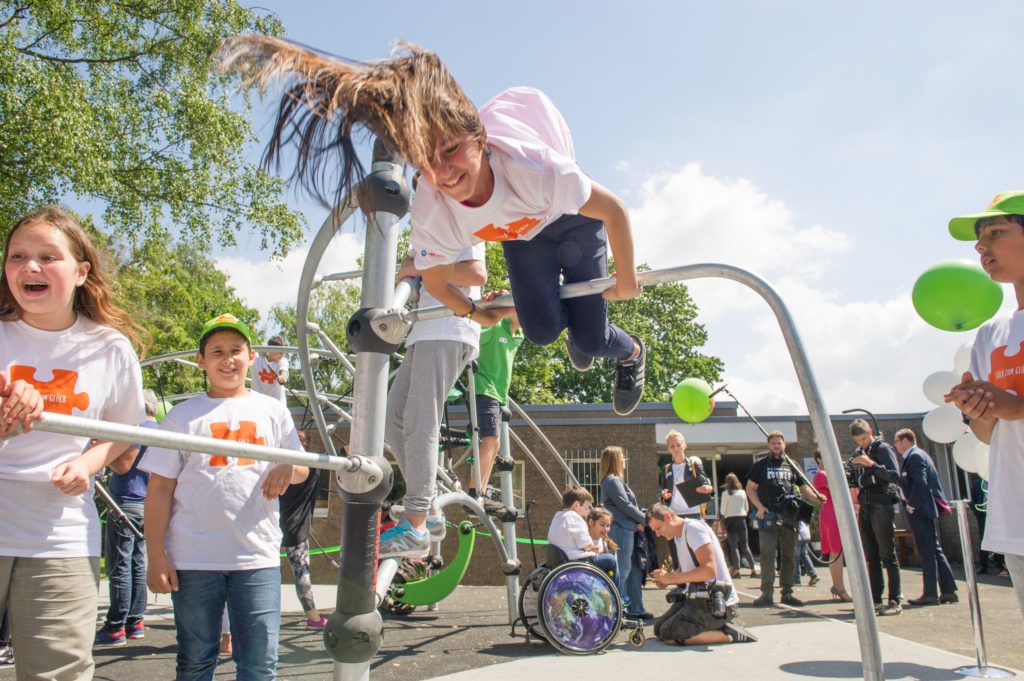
[851, 474]
[713, 592]
[791, 509]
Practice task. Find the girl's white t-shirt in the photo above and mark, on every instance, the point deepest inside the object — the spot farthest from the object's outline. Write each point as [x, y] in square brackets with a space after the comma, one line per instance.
[998, 357]
[219, 517]
[88, 371]
[451, 327]
[264, 376]
[734, 504]
[536, 181]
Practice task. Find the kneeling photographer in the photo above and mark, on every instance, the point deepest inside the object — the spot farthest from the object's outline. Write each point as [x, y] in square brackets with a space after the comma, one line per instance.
[772, 487]
[703, 600]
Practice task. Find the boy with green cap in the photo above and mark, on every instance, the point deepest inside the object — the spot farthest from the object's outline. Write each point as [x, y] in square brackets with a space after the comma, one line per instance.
[212, 530]
[991, 394]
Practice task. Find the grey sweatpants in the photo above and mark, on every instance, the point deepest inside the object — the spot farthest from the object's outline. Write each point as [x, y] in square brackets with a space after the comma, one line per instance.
[415, 404]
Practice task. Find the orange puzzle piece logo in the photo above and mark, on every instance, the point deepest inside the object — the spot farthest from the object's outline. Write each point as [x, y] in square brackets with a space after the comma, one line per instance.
[1008, 372]
[246, 433]
[267, 375]
[512, 230]
[59, 396]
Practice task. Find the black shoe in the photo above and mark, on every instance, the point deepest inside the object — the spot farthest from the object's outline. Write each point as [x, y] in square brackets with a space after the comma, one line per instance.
[764, 601]
[579, 361]
[923, 600]
[791, 600]
[949, 598]
[892, 608]
[737, 633]
[492, 507]
[629, 381]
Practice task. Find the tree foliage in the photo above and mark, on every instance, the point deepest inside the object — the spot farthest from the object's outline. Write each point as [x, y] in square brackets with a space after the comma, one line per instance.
[115, 103]
[172, 291]
[664, 316]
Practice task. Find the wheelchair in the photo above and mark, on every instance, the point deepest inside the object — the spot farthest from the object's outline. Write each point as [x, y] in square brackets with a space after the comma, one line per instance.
[574, 606]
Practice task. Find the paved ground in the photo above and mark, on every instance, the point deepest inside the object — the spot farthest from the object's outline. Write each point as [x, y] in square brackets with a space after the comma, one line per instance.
[470, 631]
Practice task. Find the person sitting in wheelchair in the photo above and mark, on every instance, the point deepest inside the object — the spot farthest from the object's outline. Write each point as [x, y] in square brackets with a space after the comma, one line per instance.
[569, 532]
[599, 524]
[703, 604]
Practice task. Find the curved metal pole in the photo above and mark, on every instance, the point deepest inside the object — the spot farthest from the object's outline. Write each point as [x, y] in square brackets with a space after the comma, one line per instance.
[307, 281]
[543, 438]
[867, 627]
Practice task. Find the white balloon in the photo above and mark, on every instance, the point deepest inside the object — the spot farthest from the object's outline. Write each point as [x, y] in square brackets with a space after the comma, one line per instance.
[962, 360]
[965, 452]
[981, 456]
[938, 384]
[943, 424]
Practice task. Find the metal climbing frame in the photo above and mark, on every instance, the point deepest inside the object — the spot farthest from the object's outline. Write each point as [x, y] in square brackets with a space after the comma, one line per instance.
[355, 630]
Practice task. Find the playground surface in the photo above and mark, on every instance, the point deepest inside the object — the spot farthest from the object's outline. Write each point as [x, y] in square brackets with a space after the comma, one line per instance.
[469, 634]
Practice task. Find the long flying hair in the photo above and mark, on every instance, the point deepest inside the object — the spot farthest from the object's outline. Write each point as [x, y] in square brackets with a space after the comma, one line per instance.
[410, 101]
[92, 298]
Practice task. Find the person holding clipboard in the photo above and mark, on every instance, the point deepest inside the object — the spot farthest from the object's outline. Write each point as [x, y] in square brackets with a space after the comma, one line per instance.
[684, 486]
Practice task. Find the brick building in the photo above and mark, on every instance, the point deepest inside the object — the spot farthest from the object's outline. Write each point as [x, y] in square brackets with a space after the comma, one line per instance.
[726, 442]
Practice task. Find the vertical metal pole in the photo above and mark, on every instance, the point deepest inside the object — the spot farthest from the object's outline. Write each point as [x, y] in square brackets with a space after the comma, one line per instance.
[508, 500]
[982, 670]
[474, 469]
[355, 630]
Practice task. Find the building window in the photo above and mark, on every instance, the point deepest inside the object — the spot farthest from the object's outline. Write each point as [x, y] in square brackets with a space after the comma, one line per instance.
[585, 464]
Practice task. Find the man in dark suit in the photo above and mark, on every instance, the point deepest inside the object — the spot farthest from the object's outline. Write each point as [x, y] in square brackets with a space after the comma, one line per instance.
[920, 484]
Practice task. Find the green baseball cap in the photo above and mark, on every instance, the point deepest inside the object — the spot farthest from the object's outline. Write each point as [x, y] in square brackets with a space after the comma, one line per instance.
[226, 321]
[1005, 203]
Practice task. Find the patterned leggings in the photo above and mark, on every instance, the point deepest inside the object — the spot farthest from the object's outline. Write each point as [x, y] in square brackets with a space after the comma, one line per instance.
[298, 557]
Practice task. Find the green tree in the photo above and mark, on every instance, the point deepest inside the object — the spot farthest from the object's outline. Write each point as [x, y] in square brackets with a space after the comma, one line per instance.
[115, 103]
[172, 291]
[664, 316]
[331, 306]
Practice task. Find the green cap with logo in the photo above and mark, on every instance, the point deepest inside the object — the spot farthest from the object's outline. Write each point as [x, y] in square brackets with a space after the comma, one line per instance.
[226, 321]
[1005, 203]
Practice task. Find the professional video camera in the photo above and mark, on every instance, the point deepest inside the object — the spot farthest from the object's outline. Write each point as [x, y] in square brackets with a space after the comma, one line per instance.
[709, 591]
[791, 509]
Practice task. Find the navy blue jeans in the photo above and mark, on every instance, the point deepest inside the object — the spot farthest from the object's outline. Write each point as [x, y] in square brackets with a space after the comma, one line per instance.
[627, 578]
[934, 567]
[253, 598]
[126, 569]
[573, 248]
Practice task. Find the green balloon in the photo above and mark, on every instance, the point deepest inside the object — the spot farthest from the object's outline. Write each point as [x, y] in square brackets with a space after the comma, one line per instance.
[956, 295]
[691, 400]
[162, 407]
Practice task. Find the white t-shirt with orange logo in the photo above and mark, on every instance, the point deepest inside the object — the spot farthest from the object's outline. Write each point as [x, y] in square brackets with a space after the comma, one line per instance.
[219, 517]
[89, 371]
[998, 357]
[536, 181]
[264, 376]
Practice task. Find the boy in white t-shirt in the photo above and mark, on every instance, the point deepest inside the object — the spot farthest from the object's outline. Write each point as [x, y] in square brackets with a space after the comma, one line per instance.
[991, 394]
[569, 530]
[212, 530]
[270, 372]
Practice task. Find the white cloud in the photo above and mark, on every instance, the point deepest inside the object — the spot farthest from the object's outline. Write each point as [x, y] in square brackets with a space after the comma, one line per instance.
[265, 283]
[873, 354]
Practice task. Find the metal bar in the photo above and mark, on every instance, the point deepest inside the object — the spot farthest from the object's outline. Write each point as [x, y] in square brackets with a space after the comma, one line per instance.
[509, 528]
[530, 455]
[173, 356]
[151, 437]
[544, 438]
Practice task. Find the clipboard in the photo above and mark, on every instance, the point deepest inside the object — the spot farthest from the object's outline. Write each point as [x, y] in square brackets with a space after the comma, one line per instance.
[688, 488]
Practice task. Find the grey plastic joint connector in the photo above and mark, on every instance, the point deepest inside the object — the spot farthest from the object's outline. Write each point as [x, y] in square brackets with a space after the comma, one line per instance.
[362, 337]
[512, 566]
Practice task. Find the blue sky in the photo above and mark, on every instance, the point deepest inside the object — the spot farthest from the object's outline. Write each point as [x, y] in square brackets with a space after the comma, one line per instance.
[822, 145]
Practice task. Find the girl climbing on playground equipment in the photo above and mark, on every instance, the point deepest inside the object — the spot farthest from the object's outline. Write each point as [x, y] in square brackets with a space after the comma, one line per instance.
[507, 173]
[60, 334]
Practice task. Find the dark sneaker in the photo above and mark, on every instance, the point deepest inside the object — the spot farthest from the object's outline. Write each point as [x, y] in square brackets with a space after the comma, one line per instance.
[579, 361]
[891, 608]
[629, 382]
[738, 634]
[110, 639]
[949, 598]
[492, 507]
[923, 600]
[137, 630]
[792, 601]
[764, 601]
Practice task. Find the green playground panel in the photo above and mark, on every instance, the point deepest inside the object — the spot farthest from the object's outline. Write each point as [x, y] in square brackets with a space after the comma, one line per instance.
[437, 587]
